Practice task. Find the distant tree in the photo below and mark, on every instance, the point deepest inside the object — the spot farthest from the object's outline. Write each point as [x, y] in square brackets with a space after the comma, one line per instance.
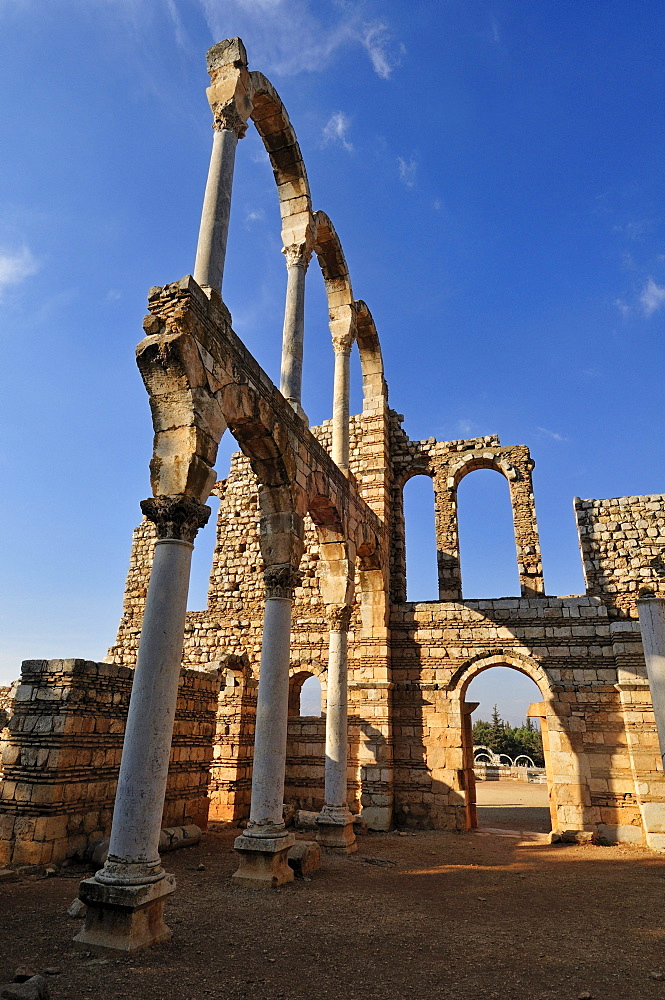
[501, 737]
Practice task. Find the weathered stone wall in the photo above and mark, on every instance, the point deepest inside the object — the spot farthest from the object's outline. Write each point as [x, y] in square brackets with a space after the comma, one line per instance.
[622, 542]
[62, 757]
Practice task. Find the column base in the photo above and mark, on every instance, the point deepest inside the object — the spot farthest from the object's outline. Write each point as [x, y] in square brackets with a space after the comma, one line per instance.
[263, 861]
[336, 832]
[123, 918]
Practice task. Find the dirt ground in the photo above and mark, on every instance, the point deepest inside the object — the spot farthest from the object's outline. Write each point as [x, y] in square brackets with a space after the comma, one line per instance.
[513, 805]
[430, 914]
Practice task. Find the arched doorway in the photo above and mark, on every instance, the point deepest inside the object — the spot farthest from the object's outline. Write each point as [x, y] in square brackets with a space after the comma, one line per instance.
[507, 776]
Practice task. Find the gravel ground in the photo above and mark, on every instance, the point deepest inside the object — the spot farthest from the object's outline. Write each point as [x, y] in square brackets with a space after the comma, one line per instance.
[430, 914]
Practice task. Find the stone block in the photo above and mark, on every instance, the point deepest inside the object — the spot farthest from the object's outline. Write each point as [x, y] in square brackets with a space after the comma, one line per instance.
[304, 857]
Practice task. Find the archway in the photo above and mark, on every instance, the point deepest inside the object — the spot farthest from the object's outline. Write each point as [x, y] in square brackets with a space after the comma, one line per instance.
[507, 776]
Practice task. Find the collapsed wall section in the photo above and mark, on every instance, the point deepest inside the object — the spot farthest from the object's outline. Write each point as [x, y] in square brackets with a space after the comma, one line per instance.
[622, 542]
[62, 756]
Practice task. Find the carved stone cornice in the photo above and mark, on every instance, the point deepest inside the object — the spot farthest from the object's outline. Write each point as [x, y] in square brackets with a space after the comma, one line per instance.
[226, 116]
[339, 618]
[281, 581]
[178, 517]
[297, 255]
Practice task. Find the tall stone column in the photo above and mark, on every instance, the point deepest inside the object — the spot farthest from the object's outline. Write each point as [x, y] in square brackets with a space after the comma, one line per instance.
[228, 127]
[652, 626]
[335, 822]
[341, 402]
[297, 260]
[125, 899]
[264, 845]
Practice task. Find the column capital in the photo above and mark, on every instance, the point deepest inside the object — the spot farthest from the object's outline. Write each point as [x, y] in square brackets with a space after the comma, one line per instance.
[298, 255]
[225, 116]
[280, 581]
[342, 344]
[178, 517]
[339, 617]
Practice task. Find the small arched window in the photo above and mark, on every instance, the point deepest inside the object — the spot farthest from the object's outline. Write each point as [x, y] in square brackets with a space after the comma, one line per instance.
[305, 695]
[488, 559]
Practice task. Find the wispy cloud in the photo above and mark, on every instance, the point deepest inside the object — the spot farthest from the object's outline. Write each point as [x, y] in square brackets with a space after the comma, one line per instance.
[554, 435]
[15, 266]
[407, 171]
[335, 131]
[376, 40]
[286, 37]
[652, 297]
[465, 427]
[254, 215]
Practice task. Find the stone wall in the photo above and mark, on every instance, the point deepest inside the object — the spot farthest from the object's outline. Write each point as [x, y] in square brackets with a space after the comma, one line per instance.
[62, 756]
[622, 542]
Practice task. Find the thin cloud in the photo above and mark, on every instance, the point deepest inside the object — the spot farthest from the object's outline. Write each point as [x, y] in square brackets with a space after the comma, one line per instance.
[407, 171]
[16, 266]
[255, 215]
[376, 42]
[652, 297]
[336, 129]
[286, 37]
[554, 435]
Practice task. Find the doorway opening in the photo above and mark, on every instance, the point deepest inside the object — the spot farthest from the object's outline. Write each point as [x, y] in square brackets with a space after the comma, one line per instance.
[507, 781]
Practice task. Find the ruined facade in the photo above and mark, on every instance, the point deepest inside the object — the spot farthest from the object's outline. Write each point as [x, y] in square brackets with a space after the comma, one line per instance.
[311, 531]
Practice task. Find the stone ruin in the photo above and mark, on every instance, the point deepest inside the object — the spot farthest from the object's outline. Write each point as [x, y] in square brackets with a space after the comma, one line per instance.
[309, 578]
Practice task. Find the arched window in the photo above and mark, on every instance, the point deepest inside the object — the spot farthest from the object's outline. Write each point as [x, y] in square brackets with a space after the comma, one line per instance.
[488, 559]
[305, 695]
[420, 540]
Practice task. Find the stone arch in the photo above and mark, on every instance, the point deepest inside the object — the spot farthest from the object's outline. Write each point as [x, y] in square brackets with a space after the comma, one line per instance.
[515, 465]
[526, 664]
[458, 686]
[279, 138]
[375, 389]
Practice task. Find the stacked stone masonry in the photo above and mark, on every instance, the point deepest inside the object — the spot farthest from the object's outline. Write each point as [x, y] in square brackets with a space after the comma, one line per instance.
[62, 754]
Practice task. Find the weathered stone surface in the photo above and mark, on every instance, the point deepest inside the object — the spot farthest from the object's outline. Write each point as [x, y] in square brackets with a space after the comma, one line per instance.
[304, 857]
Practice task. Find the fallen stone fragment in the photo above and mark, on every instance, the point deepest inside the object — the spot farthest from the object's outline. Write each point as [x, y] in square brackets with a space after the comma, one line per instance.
[659, 976]
[306, 820]
[304, 857]
[23, 973]
[53, 970]
[585, 996]
[34, 988]
[77, 909]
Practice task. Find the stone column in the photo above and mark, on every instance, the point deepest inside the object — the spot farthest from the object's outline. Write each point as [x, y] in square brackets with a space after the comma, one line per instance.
[264, 845]
[341, 396]
[125, 899]
[297, 259]
[335, 822]
[228, 127]
[652, 626]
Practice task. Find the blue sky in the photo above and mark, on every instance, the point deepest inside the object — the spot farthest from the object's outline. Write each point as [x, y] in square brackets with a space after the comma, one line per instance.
[494, 170]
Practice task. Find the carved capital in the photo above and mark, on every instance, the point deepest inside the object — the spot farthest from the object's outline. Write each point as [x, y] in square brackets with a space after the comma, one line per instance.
[226, 116]
[281, 581]
[342, 344]
[297, 255]
[176, 517]
[339, 618]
